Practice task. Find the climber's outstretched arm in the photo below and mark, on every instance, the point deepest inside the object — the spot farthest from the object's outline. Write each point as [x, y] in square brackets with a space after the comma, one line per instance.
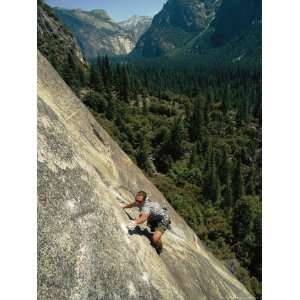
[138, 220]
[130, 205]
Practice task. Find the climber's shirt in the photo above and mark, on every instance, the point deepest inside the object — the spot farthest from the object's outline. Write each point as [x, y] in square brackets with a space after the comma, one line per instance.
[158, 217]
[153, 209]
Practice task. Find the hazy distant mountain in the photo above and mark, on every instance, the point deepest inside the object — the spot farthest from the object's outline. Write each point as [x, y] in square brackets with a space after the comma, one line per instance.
[136, 25]
[97, 33]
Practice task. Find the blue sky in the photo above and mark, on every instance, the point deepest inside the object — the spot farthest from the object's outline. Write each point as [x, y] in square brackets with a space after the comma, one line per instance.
[118, 9]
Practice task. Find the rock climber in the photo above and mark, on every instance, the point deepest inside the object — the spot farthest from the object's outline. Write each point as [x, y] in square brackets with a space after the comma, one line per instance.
[156, 217]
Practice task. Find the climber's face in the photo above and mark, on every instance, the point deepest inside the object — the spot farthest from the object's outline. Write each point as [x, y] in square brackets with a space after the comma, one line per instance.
[139, 200]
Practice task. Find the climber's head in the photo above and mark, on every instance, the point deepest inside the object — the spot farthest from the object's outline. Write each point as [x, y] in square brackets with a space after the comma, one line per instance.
[140, 198]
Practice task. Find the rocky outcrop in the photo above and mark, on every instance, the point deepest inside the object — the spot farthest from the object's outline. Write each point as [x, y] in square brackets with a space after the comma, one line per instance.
[84, 248]
[98, 34]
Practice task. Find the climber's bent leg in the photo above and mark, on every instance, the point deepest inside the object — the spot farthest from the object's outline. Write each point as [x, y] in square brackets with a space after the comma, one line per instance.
[156, 239]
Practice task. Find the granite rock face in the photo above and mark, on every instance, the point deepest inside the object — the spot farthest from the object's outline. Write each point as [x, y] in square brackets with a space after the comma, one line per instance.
[84, 248]
[136, 26]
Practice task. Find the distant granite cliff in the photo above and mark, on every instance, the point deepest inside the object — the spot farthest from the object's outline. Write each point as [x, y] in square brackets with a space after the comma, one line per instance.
[84, 249]
[136, 26]
[97, 33]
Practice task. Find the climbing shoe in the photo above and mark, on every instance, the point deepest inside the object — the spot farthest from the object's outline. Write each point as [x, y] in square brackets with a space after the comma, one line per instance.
[158, 249]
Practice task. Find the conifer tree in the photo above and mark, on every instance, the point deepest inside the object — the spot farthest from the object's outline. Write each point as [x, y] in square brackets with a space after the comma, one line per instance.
[239, 181]
[251, 181]
[177, 137]
[227, 181]
[112, 106]
[124, 85]
[215, 187]
[245, 212]
[197, 120]
[195, 159]
[70, 72]
[143, 153]
[95, 79]
[106, 72]
[226, 100]
[212, 185]
[99, 63]
[207, 106]
[163, 159]
[145, 107]
[117, 79]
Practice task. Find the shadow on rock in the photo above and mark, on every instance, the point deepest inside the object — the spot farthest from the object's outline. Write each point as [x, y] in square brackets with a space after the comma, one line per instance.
[145, 232]
[142, 232]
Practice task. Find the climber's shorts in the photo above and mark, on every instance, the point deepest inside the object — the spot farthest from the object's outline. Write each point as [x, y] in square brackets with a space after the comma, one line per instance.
[154, 226]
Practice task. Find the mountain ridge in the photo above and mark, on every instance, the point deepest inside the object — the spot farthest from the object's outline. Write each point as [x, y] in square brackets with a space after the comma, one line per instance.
[227, 28]
[178, 22]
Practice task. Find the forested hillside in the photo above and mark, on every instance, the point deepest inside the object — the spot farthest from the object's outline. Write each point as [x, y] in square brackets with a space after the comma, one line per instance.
[197, 135]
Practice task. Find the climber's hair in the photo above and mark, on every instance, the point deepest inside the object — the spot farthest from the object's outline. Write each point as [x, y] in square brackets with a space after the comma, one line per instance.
[143, 194]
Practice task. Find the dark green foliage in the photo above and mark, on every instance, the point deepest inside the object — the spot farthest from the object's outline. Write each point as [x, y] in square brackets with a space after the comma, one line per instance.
[197, 119]
[124, 84]
[96, 101]
[72, 73]
[233, 17]
[143, 153]
[239, 181]
[227, 182]
[246, 224]
[177, 136]
[251, 181]
[112, 106]
[243, 218]
[95, 79]
[212, 187]
[104, 68]
[163, 160]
